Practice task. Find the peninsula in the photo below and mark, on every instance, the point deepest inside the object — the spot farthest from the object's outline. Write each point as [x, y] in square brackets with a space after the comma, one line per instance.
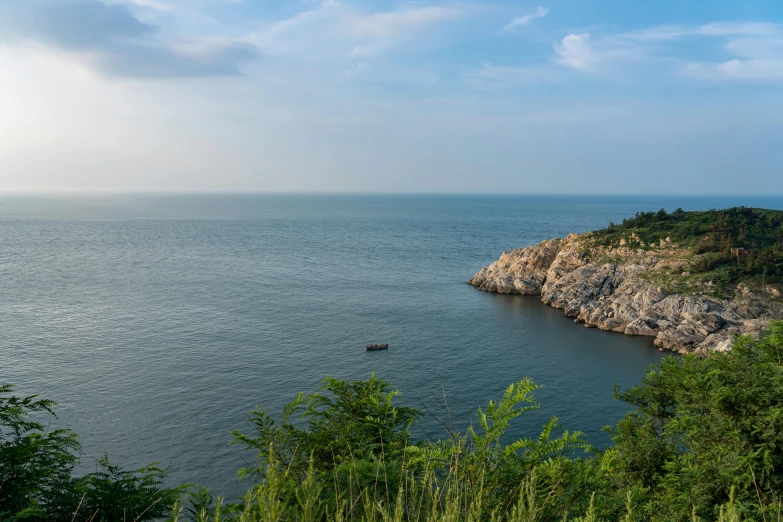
[692, 280]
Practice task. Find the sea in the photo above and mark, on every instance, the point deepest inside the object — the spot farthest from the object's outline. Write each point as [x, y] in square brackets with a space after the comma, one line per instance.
[156, 322]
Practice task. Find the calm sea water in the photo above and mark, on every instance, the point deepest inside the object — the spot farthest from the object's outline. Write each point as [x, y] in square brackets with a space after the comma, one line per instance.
[157, 322]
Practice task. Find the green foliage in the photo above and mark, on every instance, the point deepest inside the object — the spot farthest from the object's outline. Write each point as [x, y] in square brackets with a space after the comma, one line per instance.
[702, 443]
[33, 460]
[711, 235]
[352, 433]
[200, 504]
[705, 427]
[36, 466]
[115, 494]
[375, 470]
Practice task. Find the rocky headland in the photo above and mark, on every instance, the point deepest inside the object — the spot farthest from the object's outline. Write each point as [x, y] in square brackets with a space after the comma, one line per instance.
[636, 291]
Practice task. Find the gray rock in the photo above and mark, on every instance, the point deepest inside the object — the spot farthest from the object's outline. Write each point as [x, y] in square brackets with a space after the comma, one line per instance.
[520, 271]
[617, 297]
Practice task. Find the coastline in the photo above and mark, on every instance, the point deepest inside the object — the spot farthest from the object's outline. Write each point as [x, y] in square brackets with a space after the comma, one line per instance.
[612, 289]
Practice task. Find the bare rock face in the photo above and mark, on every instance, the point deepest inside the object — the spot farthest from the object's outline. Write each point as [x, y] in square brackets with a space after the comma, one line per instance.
[617, 297]
[520, 271]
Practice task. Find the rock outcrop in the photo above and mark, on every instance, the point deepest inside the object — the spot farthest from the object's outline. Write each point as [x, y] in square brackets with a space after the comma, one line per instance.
[520, 271]
[617, 295]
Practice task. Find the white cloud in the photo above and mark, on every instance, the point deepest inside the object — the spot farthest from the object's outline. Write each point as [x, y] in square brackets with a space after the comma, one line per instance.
[576, 51]
[213, 134]
[714, 29]
[658, 33]
[112, 40]
[318, 85]
[604, 53]
[756, 60]
[739, 29]
[399, 23]
[736, 69]
[757, 48]
[382, 31]
[540, 12]
[752, 69]
[754, 50]
[158, 5]
[490, 76]
[757, 55]
[339, 30]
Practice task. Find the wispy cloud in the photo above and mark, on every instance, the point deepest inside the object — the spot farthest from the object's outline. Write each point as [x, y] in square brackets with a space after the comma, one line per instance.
[540, 12]
[339, 30]
[736, 69]
[576, 51]
[756, 49]
[382, 31]
[158, 5]
[400, 23]
[490, 76]
[602, 53]
[755, 59]
[715, 29]
[110, 39]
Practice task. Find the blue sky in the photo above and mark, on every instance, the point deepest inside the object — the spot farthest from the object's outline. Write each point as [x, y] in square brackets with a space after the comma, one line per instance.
[567, 96]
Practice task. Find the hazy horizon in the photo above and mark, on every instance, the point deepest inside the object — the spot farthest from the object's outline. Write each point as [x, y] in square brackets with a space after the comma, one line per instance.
[378, 193]
[391, 96]
[650, 195]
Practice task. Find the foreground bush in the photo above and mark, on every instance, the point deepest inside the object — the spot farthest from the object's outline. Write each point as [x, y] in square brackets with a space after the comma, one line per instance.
[704, 427]
[36, 473]
[704, 442]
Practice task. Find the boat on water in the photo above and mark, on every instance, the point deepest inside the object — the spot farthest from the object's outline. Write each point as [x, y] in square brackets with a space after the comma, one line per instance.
[371, 347]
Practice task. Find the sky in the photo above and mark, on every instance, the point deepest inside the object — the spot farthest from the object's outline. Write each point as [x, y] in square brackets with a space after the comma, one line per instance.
[497, 96]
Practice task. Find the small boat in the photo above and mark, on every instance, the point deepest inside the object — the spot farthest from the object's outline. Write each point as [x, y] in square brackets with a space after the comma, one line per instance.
[371, 347]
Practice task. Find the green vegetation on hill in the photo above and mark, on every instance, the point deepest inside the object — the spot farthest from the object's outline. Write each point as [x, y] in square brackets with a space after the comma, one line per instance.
[711, 239]
[703, 442]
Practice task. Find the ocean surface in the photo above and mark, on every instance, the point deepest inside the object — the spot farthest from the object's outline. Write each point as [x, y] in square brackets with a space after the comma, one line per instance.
[158, 322]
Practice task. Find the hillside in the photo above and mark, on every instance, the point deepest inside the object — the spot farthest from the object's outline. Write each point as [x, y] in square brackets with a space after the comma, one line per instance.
[692, 280]
[724, 247]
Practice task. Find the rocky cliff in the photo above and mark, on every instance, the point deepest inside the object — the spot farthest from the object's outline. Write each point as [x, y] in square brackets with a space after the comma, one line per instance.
[616, 289]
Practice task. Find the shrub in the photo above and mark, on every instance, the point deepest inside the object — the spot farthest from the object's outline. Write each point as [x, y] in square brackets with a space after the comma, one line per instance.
[36, 473]
[703, 442]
